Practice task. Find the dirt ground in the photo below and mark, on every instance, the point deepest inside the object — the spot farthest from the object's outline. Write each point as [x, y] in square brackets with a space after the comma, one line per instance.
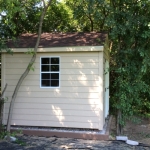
[134, 131]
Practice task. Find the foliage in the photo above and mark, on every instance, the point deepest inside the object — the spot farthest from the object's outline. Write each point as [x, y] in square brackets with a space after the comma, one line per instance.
[13, 19]
[23, 17]
[59, 18]
[16, 16]
[5, 133]
[90, 14]
[130, 37]
[20, 142]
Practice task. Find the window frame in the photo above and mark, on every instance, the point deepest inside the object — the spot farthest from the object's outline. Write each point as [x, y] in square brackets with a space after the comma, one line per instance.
[49, 71]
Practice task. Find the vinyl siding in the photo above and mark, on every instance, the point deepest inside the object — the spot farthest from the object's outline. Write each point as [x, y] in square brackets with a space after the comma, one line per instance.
[77, 103]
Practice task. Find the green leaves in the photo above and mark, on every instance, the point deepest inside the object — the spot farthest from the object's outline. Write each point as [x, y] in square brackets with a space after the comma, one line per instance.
[30, 52]
[130, 52]
[59, 18]
[17, 20]
[89, 14]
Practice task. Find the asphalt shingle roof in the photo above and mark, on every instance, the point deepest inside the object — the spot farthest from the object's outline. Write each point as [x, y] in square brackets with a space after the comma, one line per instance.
[59, 40]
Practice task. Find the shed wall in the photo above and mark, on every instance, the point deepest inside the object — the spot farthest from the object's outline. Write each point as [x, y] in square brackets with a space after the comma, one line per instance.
[78, 103]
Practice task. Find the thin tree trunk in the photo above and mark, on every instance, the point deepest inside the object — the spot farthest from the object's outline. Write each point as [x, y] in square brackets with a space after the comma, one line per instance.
[92, 24]
[119, 112]
[2, 106]
[29, 65]
[3, 92]
[119, 126]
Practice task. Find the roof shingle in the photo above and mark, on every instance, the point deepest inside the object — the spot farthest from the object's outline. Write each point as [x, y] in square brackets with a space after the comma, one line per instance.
[59, 40]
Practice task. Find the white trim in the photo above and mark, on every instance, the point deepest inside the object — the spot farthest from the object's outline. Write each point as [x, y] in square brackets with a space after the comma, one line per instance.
[49, 72]
[106, 80]
[63, 49]
[101, 92]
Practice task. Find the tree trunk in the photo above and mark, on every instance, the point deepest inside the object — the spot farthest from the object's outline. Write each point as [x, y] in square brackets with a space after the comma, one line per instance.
[2, 106]
[91, 22]
[29, 65]
[92, 26]
[119, 126]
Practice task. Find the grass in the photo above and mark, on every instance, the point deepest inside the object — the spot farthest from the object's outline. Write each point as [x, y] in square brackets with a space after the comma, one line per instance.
[20, 142]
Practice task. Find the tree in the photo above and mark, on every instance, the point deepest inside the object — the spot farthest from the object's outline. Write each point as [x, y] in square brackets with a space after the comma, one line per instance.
[90, 14]
[16, 16]
[45, 7]
[59, 18]
[130, 37]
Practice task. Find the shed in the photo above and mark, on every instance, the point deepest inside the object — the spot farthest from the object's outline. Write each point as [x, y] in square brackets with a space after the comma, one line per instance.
[69, 86]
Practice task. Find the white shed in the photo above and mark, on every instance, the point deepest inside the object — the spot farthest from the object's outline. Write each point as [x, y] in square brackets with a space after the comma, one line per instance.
[69, 86]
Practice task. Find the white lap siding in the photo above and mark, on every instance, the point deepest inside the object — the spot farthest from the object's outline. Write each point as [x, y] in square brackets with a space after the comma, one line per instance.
[77, 103]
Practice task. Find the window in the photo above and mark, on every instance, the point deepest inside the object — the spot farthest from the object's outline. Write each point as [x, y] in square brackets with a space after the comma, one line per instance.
[50, 70]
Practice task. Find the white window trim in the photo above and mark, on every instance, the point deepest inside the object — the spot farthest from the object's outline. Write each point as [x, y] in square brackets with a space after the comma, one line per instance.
[57, 72]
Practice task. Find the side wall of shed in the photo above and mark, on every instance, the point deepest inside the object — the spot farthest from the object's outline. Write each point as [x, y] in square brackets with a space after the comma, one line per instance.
[78, 103]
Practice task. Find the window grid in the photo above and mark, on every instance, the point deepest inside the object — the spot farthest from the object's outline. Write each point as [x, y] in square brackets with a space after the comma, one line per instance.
[50, 72]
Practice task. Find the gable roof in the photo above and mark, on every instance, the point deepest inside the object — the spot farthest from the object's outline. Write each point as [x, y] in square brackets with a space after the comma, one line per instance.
[59, 40]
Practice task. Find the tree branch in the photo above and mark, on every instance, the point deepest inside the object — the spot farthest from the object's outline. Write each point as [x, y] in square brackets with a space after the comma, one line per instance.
[3, 91]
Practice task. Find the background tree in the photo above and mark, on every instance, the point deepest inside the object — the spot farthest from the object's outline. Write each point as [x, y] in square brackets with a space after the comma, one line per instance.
[130, 53]
[19, 17]
[90, 14]
[59, 18]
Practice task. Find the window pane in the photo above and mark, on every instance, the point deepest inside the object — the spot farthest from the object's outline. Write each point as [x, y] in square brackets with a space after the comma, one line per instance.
[54, 82]
[51, 66]
[54, 60]
[45, 82]
[46, 60]
[55, 76]
[46, 76]
[46, 67]
[54, 67]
